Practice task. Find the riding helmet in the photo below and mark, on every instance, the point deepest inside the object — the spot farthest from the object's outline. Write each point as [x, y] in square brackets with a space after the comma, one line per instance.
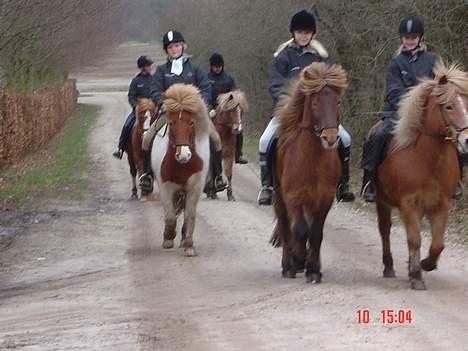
[411, 25]
[216, 60]
[172, 37]
[303, 20]
[144, 61]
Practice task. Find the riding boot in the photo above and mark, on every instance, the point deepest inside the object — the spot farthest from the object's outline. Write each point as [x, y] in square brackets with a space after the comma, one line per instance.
[219, 182]
[265, 196]
[239, 144]
[146, 179]
[367, 190]
[343, 193]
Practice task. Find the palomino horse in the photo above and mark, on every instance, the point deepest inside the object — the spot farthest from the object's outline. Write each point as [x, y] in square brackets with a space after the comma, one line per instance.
[308, 166]
[181, 160]
[144, 111]
[421, 170]
[231, 108]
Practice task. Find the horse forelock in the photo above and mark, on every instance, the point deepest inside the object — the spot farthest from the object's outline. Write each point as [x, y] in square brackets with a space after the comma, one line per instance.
[412, 105]
[318, 75]
[186, 97]
[143, 105]
[231, 100]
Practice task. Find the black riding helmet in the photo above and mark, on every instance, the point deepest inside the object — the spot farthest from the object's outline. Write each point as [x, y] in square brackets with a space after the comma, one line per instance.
[303, 20]
[411, 25]
[144, 61]
[172, 37]
[217, 60]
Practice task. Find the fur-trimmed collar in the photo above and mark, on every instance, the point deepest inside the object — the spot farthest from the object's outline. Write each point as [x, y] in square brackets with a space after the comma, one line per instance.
[314, 46]
[422, 47]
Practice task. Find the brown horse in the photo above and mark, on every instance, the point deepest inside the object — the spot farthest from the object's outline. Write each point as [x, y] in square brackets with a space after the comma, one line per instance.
[145, 110]
[229, 113]
[308, 166]
[421, 171]
[181, 159]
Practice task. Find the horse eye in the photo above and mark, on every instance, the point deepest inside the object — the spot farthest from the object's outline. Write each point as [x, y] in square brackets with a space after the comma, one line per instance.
[450, 108]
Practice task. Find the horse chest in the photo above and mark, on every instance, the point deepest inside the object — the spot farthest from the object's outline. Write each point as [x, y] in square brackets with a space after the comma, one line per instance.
[179, 173]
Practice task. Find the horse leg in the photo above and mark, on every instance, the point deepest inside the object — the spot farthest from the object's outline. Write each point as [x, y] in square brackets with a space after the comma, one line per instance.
[183, 235]
[228, 165]
[170, 217]
[412, 224]
[297, 245]
[438, 224]
[133, 173]
[313, 265]
[191, 201]
[384, 214]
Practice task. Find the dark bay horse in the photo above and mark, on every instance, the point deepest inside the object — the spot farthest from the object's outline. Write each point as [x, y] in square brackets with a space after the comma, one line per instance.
[144, 111]
[181, 159]
[231, 108]
[421, 171]
[308, 166]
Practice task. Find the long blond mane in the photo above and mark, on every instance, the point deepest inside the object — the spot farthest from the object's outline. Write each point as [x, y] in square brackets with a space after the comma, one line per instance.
[312, 79]
[231, 100]
[413, 104]
[186, 97]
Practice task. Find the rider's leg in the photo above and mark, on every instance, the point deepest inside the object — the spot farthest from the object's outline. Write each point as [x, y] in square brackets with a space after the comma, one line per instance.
[344, 150]
[239, 144]
[372, 156]
[125, 135]
[462, 159]
[266, 140]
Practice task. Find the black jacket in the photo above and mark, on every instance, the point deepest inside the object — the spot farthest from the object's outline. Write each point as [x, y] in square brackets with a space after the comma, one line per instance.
[220, 84]
[139, 87]
[403, 72]
[288, 64]
[191, 74]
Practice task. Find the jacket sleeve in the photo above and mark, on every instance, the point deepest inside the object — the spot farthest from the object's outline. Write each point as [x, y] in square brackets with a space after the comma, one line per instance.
[132, 95]
[233, 84]
[278, 77]
[157, 87]
[394, 86]
[203, 84]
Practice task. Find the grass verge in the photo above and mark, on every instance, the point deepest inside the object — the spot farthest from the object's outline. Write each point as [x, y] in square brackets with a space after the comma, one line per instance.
[55, 167]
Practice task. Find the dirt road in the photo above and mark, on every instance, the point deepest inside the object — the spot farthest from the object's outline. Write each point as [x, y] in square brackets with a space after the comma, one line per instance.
[91, 274]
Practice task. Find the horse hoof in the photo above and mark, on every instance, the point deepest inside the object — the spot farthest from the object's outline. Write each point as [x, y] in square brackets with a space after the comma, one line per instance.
[134, 197]
[314, 278]
[418, 285]
[143, 198]
[190, 252]
[289, 274]
[231, 198]
[389, 273]
[428, 264]
[182, 244]
[168, 244]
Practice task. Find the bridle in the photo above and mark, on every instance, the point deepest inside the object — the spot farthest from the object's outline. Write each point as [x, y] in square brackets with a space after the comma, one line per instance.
[172, 143]
[311, 124]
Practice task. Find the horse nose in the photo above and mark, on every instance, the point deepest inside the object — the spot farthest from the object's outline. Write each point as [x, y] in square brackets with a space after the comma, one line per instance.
[329, 138]
[183, 154]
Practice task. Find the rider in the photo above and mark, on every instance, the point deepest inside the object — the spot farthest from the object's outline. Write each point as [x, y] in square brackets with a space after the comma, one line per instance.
[290, 58]
[411, 63]
[221, 83]
[179, 69]
[139, 87]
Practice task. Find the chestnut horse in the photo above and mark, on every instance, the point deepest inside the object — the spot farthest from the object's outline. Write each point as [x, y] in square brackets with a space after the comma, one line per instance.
[308, 166]
[421, 171]
[181, 159]
[229, 113]
[145, 112]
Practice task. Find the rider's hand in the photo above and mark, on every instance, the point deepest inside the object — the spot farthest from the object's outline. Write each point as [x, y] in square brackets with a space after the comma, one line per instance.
[212, 113]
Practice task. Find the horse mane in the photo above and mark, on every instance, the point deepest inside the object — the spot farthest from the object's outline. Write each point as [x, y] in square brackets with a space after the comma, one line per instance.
[413, 103]
[230, 100]
[144, 104]
[186, 97]
[311, 80]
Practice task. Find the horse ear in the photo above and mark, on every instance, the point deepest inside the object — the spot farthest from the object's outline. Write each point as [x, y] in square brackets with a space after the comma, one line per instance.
[231, 97]
[443, 80]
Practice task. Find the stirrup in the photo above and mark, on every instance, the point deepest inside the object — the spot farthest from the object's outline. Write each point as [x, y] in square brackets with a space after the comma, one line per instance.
[365, 194]
[265, 197]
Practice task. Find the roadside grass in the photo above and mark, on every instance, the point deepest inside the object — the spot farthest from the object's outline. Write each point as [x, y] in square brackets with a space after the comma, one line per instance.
[58, 167]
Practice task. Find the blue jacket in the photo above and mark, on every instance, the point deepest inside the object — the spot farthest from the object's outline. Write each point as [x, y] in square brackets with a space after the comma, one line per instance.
[403, 72]
[220, 84]
[191, 74]
[139, 87]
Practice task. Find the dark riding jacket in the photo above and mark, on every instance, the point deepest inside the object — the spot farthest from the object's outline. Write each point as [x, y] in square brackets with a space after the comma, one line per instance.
[403, 72]
[191, 74]
[139, 87]
[220, 84]
[289, 62]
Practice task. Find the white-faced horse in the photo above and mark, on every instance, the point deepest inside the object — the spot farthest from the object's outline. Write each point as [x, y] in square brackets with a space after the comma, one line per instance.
[181, 156]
